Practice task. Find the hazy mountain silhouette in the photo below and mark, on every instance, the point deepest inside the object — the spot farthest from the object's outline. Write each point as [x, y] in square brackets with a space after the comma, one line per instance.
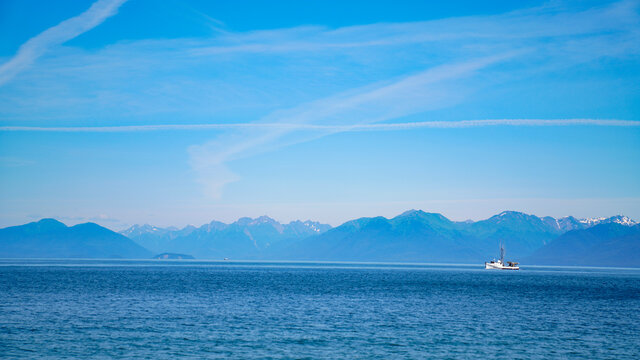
[521, 233]
[49, 238]
[414, 236]
[246, 238]
[417, 236]
[606, 244]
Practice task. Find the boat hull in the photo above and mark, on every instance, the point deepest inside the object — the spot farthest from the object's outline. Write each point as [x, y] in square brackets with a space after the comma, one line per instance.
[498, 266]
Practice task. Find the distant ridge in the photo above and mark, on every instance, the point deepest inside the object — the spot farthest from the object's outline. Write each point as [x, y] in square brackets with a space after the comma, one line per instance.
[49, 238]
[245, 238]
[413, 236]
[605, 244]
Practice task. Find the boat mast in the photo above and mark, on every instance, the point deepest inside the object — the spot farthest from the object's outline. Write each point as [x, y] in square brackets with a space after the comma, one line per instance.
[501, 252]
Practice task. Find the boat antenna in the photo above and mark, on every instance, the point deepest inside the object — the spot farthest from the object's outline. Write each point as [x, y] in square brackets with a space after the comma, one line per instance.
[501, 251]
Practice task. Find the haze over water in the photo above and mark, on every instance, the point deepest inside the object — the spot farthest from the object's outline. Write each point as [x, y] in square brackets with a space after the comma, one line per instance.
[193, 309]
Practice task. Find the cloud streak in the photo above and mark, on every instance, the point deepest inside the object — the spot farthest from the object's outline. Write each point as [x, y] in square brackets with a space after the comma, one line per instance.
[518, 25]
[373, 103]
[306, 82]
[244, 75]
[56, 35]
[333, 128]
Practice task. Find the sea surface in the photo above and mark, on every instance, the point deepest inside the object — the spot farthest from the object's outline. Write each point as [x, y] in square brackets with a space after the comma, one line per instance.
[246, 310]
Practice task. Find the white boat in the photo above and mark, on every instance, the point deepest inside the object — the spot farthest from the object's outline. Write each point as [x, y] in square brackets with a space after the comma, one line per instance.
[499, 264]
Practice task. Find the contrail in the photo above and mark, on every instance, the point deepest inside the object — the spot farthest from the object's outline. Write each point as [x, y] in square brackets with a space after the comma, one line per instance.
[56, 35]
[336, 128]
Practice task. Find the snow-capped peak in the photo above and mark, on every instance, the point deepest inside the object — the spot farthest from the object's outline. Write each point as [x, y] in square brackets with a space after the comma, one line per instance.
[592, 221]
[139, 229]
[618, 219]
[623, 220]
[311, 225]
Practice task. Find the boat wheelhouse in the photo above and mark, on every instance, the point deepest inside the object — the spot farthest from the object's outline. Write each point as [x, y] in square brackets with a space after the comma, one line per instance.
[500, 264]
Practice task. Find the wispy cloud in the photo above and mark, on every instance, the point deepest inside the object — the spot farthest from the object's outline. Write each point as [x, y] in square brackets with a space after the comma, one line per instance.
[306, 82]
[519, 25]
[244, 75]
[59, 34]
[361, 106]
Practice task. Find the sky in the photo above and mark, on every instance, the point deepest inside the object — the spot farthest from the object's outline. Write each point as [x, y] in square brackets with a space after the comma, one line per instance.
[183, 112]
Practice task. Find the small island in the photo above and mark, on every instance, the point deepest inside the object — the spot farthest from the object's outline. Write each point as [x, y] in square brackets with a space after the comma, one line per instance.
[173, 256]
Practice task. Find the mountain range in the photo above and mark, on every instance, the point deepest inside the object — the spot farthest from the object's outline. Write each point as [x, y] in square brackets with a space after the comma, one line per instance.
[605, 244]
[49, 238]
[246, 238]
[413, 236]
[417, 236]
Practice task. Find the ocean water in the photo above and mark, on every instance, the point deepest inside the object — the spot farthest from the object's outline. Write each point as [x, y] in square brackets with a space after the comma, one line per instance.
[191, 309]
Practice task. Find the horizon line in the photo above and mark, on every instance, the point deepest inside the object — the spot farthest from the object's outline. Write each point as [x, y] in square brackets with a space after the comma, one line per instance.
[436, 124]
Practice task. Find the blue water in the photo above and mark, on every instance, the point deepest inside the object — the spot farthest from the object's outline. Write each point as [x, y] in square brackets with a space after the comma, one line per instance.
[190, 309]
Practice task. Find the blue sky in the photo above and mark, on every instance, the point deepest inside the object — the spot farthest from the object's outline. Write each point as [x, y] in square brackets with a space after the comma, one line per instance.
[180, 112]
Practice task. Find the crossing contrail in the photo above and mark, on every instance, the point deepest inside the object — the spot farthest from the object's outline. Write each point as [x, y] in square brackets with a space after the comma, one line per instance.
[335, 128]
